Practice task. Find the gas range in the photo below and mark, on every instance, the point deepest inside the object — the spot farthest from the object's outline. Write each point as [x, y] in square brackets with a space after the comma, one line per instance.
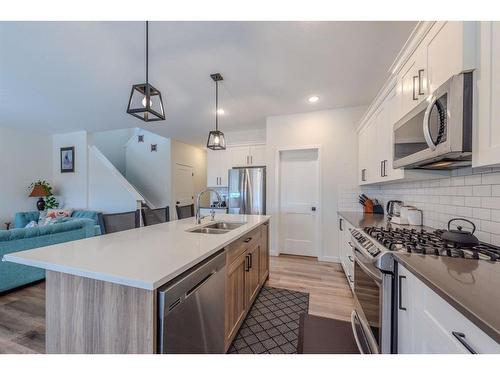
[379, 243]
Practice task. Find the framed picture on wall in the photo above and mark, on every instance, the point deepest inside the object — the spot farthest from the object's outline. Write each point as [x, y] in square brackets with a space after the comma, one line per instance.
[67, 159]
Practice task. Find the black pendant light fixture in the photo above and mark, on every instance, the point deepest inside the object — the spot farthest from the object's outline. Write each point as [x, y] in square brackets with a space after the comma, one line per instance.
[216, 140]
[145, 101]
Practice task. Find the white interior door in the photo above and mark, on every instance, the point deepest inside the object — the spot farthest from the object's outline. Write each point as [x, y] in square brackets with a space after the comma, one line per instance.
[299, 192]
[183, 185]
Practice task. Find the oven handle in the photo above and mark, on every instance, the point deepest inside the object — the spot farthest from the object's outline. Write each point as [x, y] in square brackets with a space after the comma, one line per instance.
[364, 267]
[426, 124]
[370, 341]
[354, 316]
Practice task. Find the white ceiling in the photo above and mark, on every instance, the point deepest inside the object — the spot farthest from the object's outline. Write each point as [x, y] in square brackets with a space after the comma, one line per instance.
[65, 76]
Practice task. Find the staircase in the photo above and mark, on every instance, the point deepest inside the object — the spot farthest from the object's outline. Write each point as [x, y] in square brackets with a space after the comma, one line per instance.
[108, 190]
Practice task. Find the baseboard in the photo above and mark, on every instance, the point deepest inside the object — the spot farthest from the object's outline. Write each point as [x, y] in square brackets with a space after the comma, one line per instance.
[328, 258]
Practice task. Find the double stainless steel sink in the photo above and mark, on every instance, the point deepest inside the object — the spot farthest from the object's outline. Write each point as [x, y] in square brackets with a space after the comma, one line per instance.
[219, 227]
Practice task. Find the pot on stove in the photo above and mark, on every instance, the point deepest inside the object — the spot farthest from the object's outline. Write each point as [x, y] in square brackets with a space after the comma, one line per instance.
[460, 237]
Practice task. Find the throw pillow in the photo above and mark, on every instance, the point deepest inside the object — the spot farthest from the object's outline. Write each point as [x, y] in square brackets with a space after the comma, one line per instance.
[55, 213]
[31, 224]
[42, 217]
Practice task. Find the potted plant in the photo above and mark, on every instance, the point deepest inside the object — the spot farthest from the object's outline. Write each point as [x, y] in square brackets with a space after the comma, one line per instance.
[42, 190]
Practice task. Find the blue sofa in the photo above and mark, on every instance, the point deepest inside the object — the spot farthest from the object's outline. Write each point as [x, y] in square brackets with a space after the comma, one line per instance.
[21, 219]
[13, 275]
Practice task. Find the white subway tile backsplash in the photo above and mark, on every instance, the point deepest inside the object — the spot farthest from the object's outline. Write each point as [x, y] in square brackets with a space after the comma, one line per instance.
[473, 201]
[490, 227]
[495, 240]
[491, 178]
[457, 181]
[473, 194]
[481, 190]
[495, 190]
[490, 202]
[473, 180]
[481, 213]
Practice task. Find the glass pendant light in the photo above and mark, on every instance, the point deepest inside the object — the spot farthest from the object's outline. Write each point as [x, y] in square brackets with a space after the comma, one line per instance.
[216, 140]
[145, 101]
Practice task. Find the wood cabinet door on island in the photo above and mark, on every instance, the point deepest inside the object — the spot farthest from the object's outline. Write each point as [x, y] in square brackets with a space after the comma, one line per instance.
[236, 302]
[264, 254]
[252, 281]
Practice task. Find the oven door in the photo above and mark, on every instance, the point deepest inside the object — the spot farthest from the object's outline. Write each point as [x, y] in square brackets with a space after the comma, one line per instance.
[366, 318]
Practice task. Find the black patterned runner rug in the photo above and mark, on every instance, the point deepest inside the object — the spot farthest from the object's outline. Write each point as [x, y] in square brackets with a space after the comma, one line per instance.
[272, 325]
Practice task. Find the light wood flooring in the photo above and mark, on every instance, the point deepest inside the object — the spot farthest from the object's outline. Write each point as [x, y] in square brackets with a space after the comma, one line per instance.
[22, 312]
[329, 292]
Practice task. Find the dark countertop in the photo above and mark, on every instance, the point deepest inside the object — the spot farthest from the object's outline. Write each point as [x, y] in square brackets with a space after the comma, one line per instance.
[471, 286]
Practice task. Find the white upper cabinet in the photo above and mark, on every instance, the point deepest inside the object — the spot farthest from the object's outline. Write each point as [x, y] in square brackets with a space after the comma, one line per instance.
[218, 164]
[436, 52]
[248, 156]
[239, 156]
[412, 85]
[258, 155]
[451, 49]
[486, 140]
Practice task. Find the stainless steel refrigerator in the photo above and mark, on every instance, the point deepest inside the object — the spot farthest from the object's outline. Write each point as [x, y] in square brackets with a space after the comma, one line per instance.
[247, 191]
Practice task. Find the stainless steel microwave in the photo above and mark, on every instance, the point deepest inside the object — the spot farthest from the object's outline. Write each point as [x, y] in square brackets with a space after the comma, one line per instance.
[437, 134]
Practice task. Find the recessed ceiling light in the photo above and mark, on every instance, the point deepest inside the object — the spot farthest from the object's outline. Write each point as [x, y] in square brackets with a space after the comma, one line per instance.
[313, 99]
[220, 111]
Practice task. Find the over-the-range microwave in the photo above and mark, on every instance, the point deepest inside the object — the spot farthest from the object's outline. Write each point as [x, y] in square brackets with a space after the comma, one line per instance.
[437, 134]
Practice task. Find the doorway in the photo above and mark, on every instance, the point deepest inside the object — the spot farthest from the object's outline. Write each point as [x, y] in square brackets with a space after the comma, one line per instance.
[299, 223]
[183, 183]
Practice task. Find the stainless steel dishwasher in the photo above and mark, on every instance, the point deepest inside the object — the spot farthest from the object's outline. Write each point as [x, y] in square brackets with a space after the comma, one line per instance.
[191, 309]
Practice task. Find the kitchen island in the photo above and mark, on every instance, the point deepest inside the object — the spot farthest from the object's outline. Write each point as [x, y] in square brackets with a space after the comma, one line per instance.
[101, 292]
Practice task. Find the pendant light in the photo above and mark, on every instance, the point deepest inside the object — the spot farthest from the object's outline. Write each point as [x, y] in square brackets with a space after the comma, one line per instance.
[216, 140]
[145, 101]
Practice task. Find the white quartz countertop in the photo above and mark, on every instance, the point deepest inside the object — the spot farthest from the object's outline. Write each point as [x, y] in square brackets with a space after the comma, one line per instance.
[146, 257]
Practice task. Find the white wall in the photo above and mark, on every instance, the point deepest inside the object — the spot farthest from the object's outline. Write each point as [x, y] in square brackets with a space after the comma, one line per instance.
[196, 158]
[109, 191]
[149, 171]
[335, 132]
[71, 186]
[234, 138]
[24, 158]
[112, 144]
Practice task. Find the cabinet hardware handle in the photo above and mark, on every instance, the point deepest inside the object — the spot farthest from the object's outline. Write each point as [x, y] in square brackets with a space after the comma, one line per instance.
[363, 174]
[382, 168]
[248, 161]
[414, 87]
[248, 239]
[350, 258]
[385, 168]
[340, 225]
[461, 337]
[250, 261]
[247, 263]
[350, 278]
[400, 306]
[350, 244]
[420, 81]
